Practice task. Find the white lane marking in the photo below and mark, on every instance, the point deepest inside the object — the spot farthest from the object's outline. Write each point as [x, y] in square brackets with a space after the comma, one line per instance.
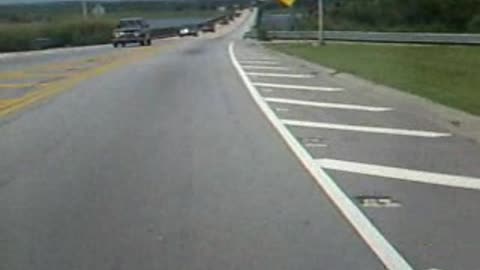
[367, 129]
[265, 67]
[281, 75]
[328, 105]
[364, 227]
[259, 62]
[252, 58]
[298, 87]
[401, 173]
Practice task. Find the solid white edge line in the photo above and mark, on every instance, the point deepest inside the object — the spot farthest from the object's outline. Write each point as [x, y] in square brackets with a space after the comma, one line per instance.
[366, 129]
[401, 173]
[389, 256]
[257, 59]
[265, 67]
[260, 62]
[328, 105]
[281, 75]
[298, 87]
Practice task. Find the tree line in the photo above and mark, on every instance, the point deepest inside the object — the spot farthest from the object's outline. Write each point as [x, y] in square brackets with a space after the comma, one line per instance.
[397, 15]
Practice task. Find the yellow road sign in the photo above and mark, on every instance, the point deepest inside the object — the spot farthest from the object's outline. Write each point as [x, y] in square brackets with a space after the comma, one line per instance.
[286, 3]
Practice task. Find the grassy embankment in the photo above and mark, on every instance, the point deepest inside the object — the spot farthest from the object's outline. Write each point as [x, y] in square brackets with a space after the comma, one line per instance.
[72, 30]
[444, 74]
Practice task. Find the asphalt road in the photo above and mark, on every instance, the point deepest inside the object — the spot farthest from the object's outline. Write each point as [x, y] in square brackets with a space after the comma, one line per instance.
[22, 60]
[168, 163]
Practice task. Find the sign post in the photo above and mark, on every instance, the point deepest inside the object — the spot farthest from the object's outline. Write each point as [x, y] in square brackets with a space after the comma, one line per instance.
[320, 22]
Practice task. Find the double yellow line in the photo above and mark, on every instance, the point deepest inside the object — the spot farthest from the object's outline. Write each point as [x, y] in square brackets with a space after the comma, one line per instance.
[46, 90]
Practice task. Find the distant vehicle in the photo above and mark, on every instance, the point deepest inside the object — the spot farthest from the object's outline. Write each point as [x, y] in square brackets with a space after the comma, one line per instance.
[132, 30]
[208, 27]
[43, 43]
[238, 14]
[224, 21]
[189, 30]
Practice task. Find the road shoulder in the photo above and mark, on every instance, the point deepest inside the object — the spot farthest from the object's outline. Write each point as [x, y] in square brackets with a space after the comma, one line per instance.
[454, 120]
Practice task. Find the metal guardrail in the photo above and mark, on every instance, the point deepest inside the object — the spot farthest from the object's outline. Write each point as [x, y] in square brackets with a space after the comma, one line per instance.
[173, 31]
[387, 37]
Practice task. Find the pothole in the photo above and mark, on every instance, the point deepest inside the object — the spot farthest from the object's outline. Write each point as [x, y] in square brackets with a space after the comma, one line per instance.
[455, 123]
[312, 142]
[280, 109]
[369, 201]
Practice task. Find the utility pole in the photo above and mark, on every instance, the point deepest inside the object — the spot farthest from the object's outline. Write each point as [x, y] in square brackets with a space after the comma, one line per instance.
[84, 9]
[320, 22]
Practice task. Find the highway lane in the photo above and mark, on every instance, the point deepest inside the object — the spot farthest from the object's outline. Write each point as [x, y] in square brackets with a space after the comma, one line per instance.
[165, 163]
[20, 60]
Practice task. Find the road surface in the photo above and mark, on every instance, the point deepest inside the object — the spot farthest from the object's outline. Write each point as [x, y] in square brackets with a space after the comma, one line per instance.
[214, 153]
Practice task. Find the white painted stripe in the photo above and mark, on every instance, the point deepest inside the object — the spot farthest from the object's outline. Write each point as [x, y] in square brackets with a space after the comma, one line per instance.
[401, 173]
[265, 67]
[365, 228]
[298, 87]
[281, 75]
[253, 58]
[259, 62]
[368, 129]
[328, 105]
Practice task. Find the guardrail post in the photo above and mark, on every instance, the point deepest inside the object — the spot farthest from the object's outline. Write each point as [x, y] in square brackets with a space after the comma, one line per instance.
[84, 9]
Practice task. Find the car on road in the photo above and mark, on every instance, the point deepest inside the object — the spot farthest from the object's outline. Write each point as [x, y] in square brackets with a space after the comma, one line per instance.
[132, 30]
[188, 30]
[224, 21]
[208, 27]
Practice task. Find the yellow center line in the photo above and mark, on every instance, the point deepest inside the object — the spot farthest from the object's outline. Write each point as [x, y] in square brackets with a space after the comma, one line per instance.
[50, 89]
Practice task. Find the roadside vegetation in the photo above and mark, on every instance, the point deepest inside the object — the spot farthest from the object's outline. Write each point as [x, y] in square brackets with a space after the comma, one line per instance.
[34, 26]
[444, 74]
[456, 16]
[27, 36]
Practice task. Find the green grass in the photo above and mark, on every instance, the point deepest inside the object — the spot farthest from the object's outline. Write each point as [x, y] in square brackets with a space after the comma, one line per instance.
[445, 74]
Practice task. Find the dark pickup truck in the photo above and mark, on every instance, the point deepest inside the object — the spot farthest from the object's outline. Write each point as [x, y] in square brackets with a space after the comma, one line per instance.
[132, 30]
